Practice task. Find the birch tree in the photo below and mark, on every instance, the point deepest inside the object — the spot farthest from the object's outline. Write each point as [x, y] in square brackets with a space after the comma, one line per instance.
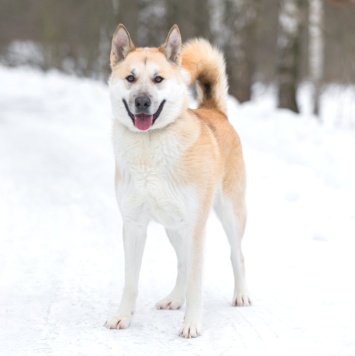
[290, 21]
[316, 49]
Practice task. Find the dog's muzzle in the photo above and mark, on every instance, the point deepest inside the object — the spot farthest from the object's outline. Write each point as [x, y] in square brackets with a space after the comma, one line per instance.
[142, 120]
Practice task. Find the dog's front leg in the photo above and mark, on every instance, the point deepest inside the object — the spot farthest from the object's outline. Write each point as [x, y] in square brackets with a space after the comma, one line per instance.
[192, 322]
[134, 238]
[176, 298]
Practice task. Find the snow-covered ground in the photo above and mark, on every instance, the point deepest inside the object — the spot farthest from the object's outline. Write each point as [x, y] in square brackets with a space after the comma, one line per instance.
[61, 259]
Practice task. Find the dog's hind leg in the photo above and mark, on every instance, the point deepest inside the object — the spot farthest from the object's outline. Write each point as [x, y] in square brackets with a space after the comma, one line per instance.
[231, 210]
[176, 298]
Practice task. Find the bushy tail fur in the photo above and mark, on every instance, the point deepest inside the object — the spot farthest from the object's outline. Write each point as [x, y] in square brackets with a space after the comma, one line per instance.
[205, 65]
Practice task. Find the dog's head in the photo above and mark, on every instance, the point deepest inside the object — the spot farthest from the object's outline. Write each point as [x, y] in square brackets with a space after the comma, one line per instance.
[146, 85]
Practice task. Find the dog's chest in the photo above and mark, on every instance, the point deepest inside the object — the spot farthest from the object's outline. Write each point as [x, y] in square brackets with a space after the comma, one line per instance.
[149, 185]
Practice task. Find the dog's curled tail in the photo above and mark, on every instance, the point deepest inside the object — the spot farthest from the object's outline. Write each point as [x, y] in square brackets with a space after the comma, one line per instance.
[205, 65]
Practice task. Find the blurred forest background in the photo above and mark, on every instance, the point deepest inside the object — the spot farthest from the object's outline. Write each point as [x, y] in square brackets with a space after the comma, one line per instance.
[282, 42]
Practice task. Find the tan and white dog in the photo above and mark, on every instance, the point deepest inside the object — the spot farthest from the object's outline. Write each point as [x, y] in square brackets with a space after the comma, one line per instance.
[173, 164]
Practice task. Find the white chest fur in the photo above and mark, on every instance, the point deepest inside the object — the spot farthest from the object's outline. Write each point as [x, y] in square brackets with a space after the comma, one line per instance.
[149, 186]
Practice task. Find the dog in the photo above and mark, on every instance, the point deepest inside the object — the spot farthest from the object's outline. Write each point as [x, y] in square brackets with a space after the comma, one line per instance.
[173, 164]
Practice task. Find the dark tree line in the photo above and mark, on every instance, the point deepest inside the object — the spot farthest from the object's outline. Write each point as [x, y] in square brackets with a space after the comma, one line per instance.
[276, 41]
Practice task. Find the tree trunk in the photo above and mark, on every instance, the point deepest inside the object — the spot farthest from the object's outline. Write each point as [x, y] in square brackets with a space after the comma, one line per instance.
[316, 50]
[126, 12]
[201, 18]
[151, 22]
[192, 17]
[239, 42]
[290, 21]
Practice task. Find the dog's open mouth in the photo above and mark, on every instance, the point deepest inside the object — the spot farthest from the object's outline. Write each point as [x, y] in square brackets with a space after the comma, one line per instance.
[143, 121]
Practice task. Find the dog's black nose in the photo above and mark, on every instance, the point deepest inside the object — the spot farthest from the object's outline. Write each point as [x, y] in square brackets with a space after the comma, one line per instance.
[142, 103]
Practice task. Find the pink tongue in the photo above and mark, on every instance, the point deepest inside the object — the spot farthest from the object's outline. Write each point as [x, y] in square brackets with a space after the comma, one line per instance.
[143, 122]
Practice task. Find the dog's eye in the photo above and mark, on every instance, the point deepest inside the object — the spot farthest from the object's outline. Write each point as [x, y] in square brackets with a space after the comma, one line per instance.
[131, 79]
[158, 79]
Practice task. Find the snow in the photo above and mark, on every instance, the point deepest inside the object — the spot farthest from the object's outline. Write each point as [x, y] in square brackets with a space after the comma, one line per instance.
[61, 258]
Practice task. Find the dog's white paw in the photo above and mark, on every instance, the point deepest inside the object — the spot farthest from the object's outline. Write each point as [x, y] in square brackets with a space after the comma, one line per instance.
[118, 322]
[170, 303]
[241, 300]
[190, 330]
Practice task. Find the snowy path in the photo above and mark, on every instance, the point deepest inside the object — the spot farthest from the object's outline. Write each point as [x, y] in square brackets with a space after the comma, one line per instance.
[61, 259]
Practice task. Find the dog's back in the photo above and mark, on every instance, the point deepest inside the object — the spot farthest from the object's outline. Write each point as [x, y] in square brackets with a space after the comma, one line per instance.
[205, 66]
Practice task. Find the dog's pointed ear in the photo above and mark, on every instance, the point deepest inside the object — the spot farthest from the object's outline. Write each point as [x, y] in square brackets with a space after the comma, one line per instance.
[172, 45]
[121, 45]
